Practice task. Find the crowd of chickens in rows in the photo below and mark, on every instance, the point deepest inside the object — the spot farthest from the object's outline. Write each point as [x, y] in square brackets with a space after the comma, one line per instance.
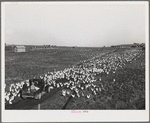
[80, 79]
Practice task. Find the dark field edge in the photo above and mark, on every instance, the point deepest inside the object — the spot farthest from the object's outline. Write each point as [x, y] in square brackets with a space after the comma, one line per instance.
[56, 1]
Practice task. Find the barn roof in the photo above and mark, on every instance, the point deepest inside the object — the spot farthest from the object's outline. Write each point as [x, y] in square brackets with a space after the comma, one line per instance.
[20, 47]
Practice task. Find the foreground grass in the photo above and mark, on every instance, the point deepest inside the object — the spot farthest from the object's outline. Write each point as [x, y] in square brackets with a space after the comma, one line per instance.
[57, 101]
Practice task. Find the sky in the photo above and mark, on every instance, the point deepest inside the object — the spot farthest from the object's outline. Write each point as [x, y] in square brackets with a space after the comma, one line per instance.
[88, 24]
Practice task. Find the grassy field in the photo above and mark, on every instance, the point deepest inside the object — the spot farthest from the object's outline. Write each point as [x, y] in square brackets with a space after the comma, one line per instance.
[26, 65]
[126, 92]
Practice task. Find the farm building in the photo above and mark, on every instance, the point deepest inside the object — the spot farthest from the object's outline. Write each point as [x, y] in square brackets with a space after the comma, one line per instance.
[19, 49]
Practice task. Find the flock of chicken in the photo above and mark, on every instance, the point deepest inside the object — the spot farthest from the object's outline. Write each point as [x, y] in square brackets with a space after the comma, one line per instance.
[80, 80]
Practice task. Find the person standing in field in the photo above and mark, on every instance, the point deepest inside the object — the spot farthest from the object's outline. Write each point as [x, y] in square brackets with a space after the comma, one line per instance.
[32, 88]
[25, 87]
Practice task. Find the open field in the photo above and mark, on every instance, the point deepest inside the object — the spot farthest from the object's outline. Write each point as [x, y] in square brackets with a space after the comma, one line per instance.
[120, 83]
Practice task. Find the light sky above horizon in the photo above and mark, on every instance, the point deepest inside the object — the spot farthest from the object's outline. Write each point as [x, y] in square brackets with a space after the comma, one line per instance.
[89, 24]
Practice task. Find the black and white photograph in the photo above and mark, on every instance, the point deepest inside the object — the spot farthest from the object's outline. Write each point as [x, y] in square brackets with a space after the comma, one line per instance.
[81, 60]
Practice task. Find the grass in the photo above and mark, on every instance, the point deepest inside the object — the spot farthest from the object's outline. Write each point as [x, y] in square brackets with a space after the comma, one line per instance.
[127, 92]
[55, 102]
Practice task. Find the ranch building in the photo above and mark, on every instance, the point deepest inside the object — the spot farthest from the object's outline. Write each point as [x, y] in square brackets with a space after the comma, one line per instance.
[19, 49]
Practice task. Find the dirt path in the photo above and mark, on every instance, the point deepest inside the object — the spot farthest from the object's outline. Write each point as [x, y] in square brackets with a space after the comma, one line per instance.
[29, 103]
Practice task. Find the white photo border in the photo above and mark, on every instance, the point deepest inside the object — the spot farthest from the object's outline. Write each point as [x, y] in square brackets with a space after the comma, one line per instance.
[66, 115]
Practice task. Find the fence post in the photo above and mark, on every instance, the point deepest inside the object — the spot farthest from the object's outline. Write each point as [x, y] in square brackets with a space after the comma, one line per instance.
[38, 106]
